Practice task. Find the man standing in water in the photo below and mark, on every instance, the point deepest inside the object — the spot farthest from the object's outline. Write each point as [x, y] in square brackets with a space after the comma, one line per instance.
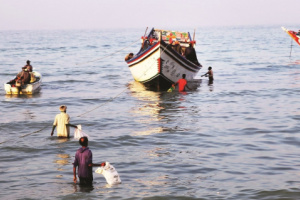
[84, 162]
[62, 121]
[181, 83]
[210, 75]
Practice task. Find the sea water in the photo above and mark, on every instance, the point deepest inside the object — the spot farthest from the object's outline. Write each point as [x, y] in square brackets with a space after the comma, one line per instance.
[238, 138]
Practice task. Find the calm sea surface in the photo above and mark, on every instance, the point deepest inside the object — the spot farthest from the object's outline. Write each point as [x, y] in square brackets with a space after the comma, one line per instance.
[236, 139]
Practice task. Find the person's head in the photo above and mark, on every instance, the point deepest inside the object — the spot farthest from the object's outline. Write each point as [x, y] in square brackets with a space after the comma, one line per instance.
[28, 62]
[83, 141]
[63, 108]
[209, 68]
[183, 75]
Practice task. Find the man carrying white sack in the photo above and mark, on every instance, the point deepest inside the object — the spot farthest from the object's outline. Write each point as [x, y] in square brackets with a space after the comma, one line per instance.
[110, 174]
[62, 121]
[84, 162]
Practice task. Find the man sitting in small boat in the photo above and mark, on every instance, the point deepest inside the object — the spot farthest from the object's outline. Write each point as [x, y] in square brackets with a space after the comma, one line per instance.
[25, 77]
[21, 79]
[190, 54]
[28, 66]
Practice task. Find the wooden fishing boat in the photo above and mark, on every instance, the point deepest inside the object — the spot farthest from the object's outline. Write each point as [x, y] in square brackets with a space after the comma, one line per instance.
[158, 64]
[29, 88]
[293, 34]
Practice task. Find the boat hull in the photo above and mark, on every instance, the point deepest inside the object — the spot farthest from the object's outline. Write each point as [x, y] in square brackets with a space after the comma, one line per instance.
[159, 66]
[30, 88]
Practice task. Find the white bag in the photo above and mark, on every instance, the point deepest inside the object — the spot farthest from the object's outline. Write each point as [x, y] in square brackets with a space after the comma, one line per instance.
[79, 133]
[110, 174]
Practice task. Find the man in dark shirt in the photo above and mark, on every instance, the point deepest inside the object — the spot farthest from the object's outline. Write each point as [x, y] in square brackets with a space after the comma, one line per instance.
[177, 47]
[28, 66]
[84, 161]
[25, 77]
[190, 54]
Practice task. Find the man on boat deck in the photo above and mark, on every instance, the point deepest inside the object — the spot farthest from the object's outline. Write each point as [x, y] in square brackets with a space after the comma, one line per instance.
[28, 66]
[177, 47]
[62, 121]
[190, 54]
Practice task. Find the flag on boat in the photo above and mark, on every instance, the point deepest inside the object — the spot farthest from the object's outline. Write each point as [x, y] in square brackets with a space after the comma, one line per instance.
[293, 34]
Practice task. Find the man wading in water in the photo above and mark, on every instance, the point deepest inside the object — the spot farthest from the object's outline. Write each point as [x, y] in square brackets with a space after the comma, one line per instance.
[84, 161]
[62, 121]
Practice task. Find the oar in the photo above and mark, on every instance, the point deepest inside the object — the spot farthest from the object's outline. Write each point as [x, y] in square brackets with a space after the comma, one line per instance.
[194, 35]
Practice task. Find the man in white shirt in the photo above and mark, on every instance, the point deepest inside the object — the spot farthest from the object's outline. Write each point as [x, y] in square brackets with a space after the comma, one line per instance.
[62, 122]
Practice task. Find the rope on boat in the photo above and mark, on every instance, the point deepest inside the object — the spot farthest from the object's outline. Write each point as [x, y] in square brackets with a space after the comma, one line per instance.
[109, 55]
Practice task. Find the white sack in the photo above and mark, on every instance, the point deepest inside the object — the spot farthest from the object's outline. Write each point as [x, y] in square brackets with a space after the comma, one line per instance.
[110, 174]
[79, 133]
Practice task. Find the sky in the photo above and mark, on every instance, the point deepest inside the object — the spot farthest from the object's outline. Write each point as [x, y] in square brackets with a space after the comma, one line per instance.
[110, 14]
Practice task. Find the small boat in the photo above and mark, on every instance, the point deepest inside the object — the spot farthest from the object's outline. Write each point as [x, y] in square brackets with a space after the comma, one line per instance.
[29, 88]
[293, 34]
[158, 64]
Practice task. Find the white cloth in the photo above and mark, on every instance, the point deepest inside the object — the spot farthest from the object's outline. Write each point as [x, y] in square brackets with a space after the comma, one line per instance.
[61, 120]
[110, 174]
[79, 133]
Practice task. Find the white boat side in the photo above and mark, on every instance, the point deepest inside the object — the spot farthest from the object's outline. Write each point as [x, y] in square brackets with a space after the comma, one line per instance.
[161, 60]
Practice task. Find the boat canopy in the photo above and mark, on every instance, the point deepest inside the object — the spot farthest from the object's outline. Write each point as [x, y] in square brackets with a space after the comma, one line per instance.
[182, 37]
[166, 36]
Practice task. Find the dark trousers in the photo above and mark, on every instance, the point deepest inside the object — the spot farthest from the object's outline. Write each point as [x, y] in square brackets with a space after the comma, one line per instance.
[86, 181]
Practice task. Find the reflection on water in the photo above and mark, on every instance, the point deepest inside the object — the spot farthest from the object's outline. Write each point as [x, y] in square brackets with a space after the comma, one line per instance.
[153, 108]
[22, 96]
[149, 131]
[64, 159]
[149, 106]
[62, 139]
[157, 152]
[150, 102]
[83, 188]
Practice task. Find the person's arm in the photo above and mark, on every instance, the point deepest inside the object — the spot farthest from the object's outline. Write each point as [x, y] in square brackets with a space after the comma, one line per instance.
[74, 126]
[175, 84]
[205, 74]
[187, 86]
[53, 128]
[97, 165]
[74, 173]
